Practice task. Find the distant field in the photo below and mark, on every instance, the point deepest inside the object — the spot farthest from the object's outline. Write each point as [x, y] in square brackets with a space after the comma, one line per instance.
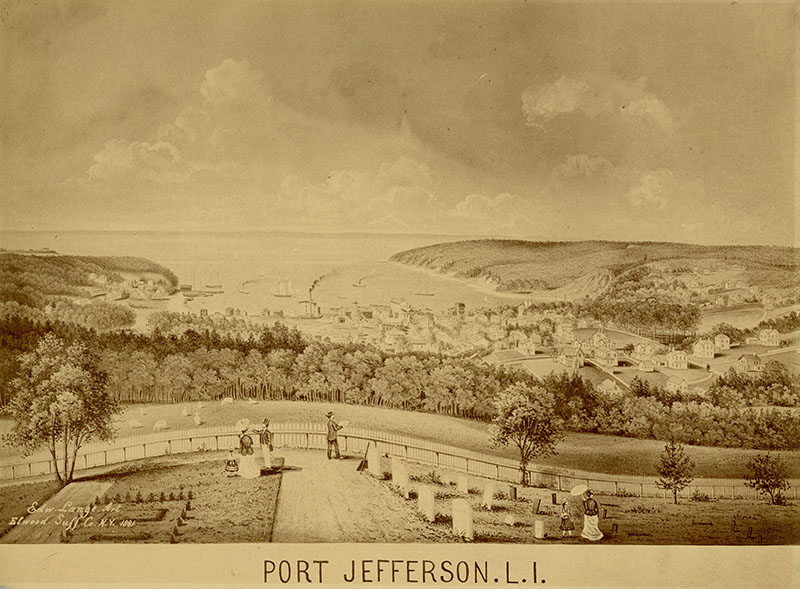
[618, 338]
[592, 452]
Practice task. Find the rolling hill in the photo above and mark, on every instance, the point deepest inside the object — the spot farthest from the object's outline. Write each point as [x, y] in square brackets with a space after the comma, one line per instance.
[575, 269]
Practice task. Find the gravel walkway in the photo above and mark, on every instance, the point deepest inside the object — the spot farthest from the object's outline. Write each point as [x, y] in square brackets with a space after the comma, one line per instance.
[323, 500]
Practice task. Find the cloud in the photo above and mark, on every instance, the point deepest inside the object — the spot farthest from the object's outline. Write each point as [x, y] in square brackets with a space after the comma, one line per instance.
[158, 162]
[231, 81]
[651, 189]
[591, 95]
[582, 166]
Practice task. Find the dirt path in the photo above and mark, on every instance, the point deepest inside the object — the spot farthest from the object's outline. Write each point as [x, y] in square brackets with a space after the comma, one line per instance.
[74, 495]
[323, 500]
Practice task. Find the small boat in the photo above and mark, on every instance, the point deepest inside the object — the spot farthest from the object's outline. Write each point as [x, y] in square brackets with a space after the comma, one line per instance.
[282, 288]
[261, 272]
[243, 290]
[425, 293]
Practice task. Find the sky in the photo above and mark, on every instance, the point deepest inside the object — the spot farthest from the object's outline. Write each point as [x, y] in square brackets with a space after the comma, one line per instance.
[533, 120]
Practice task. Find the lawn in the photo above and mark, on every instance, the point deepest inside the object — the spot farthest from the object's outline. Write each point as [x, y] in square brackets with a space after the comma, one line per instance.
[16, 498]
[590, 452]
[155, 491]
[637, 520]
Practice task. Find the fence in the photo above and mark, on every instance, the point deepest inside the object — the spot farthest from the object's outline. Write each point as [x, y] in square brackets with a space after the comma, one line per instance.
[313, 436]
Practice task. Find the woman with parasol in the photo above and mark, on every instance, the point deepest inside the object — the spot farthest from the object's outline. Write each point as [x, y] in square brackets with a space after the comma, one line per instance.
[591, 514]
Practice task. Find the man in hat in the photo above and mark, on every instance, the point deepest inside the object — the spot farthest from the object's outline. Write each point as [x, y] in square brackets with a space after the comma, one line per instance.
[265, 437]
[333, 442]
[591, 515]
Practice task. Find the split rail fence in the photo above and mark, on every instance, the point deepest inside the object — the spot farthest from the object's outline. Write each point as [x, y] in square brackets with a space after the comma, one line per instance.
[355, 440]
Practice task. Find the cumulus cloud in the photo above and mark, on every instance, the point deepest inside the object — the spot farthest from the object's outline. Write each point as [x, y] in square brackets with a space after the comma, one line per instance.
[582, 166]
[651, 189]
[159, 162]
[231, 81]
[592, 94]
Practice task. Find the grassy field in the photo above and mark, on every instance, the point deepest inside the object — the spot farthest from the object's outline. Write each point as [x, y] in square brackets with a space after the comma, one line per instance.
[15, 499]
[591, 452]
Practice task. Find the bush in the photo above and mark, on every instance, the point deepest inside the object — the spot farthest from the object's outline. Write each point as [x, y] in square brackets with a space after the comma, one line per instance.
[387, 476]
[431, 477]
[139, 497]
[698, 495]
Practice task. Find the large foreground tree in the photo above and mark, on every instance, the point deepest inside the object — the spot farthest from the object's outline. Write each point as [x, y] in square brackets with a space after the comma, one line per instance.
[526, 416]
[60, 403]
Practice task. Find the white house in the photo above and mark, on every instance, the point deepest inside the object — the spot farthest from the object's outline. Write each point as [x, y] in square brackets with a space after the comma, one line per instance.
[769, 337]
[703, 348]
[606, 356]
[646, 365]
[750, 363]
[571, 357]
[722, 342]
[609, 388]
[677, 359]
[600, 339]
[677, 385]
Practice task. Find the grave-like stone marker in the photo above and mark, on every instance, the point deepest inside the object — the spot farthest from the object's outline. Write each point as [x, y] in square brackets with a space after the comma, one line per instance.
[510, 520]
[614, 529]
[197, 420]
[512, 493]
[536, 506]
[426, 503]
[462, 519]
[554, 498]
[374, 461]
[400, 476]
[185, 411]
[134, 424]
[160, 425]
[488, 496]
[462, 485]
[538, 529]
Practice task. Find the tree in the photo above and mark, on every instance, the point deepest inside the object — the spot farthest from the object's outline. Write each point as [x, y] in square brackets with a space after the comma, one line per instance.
[526, 416]
[61, 402]
[675, 469]
[767, 475]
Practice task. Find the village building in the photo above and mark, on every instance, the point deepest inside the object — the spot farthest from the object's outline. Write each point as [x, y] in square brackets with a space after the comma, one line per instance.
[571, 357]
[646, 365]
[703, 348]
[769, 337]
[677, 385]
[607, 357]
[527, 347]
[677, 359]
[750, 363]
[601, 340]
[722, 342]
[609, 388]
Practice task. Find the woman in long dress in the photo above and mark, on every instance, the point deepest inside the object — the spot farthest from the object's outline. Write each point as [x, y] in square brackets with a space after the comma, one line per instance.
[591, 518]
[247, 463]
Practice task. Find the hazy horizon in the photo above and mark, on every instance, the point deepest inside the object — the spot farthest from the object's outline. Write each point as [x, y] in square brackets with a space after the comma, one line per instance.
[551, 121]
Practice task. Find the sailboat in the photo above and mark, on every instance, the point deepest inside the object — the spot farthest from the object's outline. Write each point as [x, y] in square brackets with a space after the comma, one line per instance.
[360, 284]
[282, 288]
[242, 288]
[214, 283]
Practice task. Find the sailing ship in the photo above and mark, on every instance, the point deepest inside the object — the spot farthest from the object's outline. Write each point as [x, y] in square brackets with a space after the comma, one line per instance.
[282, 288]
[214, 282]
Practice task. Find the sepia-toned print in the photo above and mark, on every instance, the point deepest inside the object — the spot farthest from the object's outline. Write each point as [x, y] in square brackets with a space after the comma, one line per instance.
[519, 273]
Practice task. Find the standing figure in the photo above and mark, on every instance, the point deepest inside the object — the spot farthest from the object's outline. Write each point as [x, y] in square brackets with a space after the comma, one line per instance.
[566, 519]
[231, 466]
[333, 442]
[265, 438]
[247, 462]
[591, 511]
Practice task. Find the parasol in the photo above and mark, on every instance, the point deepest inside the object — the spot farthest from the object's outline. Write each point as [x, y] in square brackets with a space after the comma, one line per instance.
[579, 490]
[242, 424]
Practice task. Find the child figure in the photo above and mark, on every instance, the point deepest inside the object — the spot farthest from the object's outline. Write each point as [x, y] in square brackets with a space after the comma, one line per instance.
[566, 520]
[231, 465]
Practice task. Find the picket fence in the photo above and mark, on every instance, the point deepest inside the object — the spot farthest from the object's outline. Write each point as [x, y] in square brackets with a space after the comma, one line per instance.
[355, 440]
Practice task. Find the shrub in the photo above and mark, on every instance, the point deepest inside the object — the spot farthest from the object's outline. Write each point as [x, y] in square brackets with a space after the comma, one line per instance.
[139, 497]
[387, 476]
[162, 497]
[127, 497]
[171, 496]
[698, 495]
[431, 477]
